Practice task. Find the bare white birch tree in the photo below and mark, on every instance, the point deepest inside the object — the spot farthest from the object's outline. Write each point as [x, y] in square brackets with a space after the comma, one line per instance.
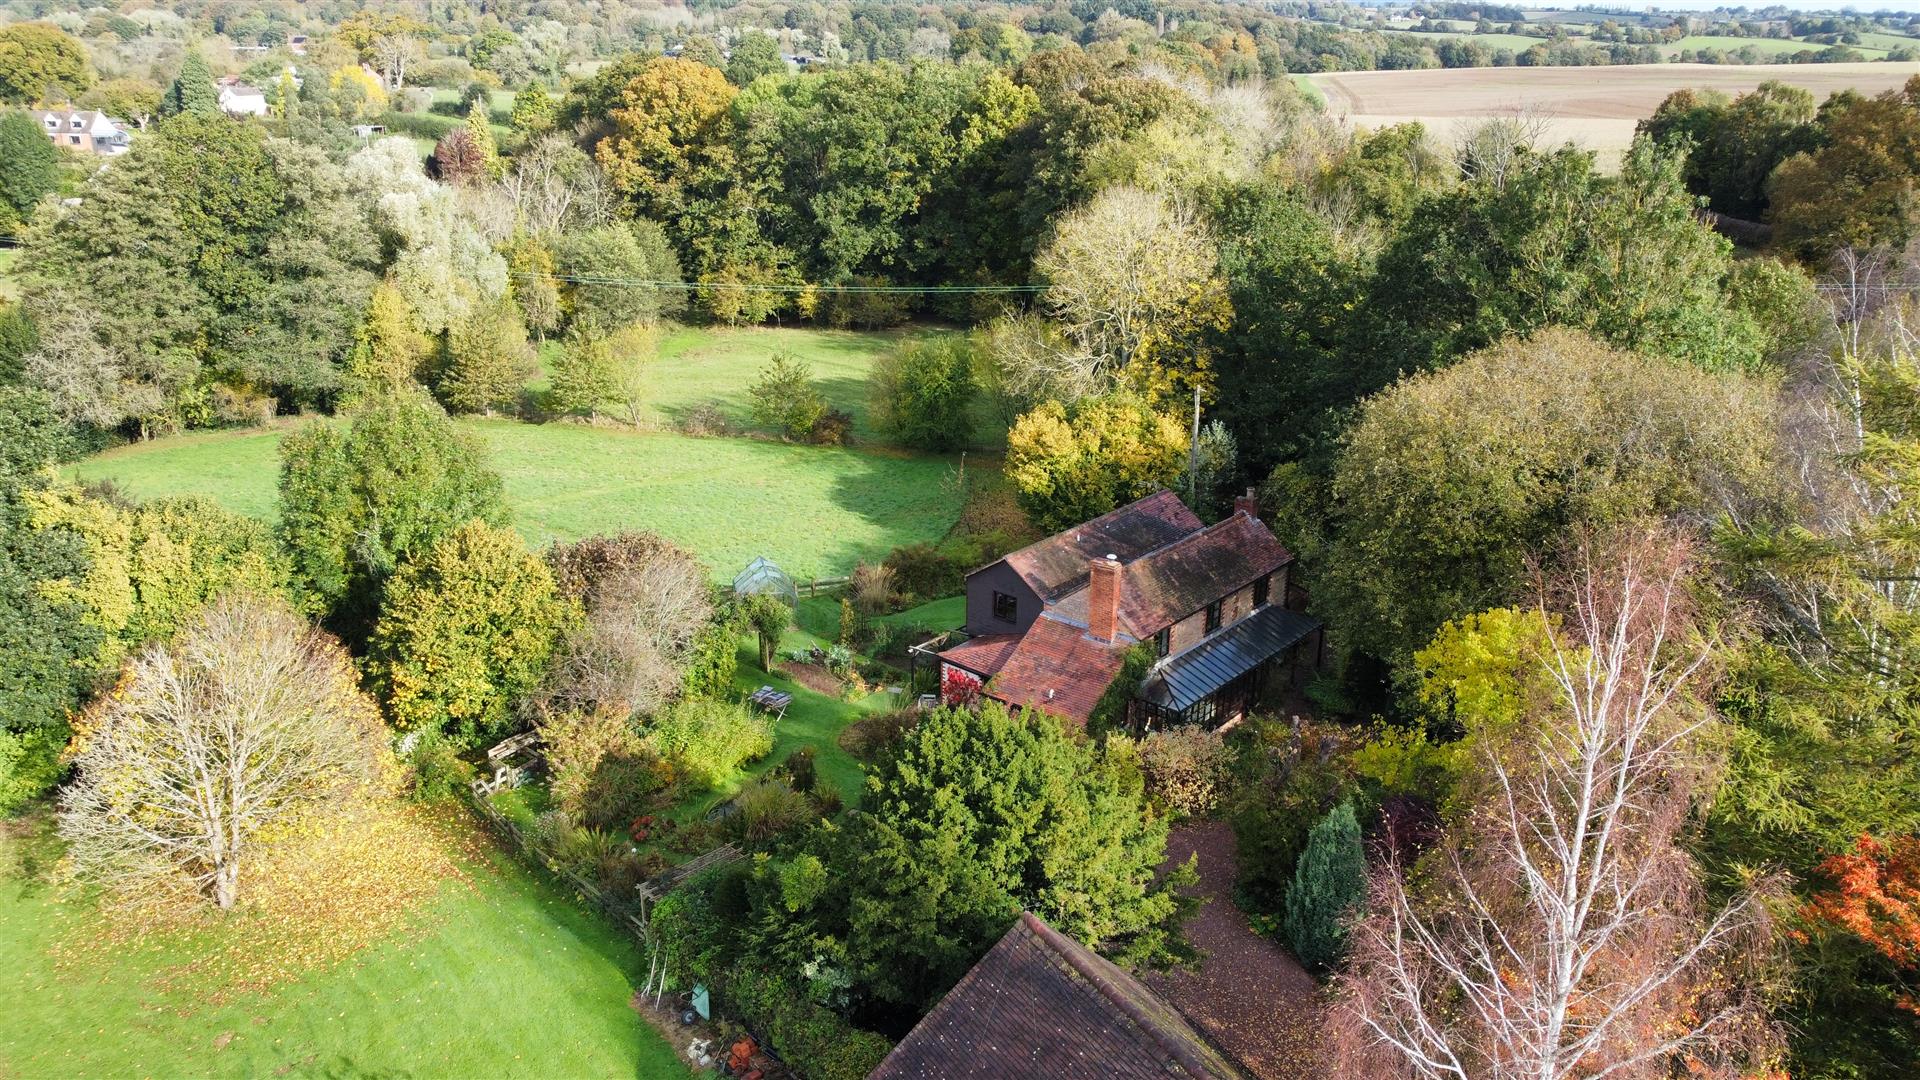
[1561, 931]
[248, 720]
[393, 53]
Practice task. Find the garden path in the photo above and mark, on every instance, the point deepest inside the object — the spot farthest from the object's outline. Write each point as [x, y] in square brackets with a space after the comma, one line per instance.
[1250, 997]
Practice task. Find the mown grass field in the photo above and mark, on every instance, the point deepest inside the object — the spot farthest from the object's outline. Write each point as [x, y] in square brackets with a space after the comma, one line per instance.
[500, 975]
[717, 365]
[813, 510]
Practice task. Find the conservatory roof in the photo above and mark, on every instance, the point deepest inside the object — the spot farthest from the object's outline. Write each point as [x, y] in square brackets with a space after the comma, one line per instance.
[1183, 680]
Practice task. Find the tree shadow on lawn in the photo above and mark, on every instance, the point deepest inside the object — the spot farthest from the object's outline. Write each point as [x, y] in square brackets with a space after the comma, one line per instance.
[899, 500]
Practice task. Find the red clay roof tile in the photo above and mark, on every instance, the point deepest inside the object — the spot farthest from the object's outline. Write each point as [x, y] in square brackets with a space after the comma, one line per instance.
[1057, 668]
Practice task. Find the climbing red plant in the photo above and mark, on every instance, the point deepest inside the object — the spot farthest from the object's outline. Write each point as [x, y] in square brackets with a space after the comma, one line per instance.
[1876, 898]
[959, 687]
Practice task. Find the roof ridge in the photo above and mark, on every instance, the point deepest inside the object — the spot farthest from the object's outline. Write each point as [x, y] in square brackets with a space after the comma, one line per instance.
[1194, 535]
[1050, 537]
[1077, 957]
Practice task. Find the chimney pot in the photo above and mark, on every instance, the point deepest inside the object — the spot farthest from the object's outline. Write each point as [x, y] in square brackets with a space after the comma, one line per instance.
[1248, 504]
[1103, 598]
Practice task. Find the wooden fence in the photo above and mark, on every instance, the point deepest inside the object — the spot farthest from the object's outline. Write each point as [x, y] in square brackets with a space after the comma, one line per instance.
[623, 915]
[821, 585]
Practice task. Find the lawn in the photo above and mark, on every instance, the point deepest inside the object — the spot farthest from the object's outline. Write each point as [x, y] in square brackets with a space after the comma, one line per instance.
[716, 365]
[502, 976]
[814, 510]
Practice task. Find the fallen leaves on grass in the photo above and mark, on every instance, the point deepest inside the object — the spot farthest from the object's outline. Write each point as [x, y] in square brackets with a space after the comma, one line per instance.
[319, 897]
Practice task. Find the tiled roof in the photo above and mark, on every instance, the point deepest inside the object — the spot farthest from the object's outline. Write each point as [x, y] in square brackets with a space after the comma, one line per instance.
[1040, 1004]
[1057, 668]
[1058, 565]
[984, 654]
[1167, 585]
[1162, 587]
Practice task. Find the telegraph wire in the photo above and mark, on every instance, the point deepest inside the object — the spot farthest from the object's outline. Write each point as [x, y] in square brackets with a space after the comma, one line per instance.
[758, 287]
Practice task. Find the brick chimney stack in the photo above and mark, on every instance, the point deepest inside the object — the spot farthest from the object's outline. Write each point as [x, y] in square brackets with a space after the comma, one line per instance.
[1248, 504]
[1103, 598]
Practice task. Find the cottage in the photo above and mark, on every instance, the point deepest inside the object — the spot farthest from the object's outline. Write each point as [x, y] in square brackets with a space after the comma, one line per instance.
[1049, 625]
[84, 130]
[1041, 1004]
[239, 99]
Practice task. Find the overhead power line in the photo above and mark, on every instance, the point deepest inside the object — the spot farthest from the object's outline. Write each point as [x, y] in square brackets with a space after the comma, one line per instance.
[731, 286]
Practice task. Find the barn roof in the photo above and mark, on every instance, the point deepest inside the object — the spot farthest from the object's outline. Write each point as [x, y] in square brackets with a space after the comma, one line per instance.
[1163, 586]
[1040, 1004]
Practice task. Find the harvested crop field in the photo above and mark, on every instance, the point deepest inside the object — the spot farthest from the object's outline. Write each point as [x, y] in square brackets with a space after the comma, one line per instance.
[1592, 107]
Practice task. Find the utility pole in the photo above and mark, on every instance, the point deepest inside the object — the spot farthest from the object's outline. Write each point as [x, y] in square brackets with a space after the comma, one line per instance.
[1193, 455]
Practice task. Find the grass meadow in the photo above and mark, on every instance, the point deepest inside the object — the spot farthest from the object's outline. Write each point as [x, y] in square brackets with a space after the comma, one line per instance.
[813, 510]
[715, 366]
[499, 974]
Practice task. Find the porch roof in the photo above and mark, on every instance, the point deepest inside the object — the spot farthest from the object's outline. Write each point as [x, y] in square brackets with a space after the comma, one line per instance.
[1181, 681]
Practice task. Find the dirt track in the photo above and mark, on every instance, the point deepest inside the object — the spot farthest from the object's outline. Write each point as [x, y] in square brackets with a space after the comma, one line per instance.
[1594, 107]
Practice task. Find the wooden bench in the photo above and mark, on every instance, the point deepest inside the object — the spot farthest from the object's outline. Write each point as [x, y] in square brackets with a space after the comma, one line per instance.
[770, 700]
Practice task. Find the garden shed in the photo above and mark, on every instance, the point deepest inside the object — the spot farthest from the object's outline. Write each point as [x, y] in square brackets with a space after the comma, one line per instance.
[762, 576]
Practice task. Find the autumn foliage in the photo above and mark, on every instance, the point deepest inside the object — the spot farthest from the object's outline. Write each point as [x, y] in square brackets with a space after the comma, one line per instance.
[1876, 898]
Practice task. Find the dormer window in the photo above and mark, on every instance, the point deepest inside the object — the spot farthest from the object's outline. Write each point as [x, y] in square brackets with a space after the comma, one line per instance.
[1261, 589]
[1213, 616]
[1163, 641]
[77, 123]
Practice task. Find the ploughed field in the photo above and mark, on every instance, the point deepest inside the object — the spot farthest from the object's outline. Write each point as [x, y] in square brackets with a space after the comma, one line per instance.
[1593, 107]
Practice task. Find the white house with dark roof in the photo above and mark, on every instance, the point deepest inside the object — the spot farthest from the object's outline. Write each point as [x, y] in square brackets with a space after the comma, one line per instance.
[83, 130]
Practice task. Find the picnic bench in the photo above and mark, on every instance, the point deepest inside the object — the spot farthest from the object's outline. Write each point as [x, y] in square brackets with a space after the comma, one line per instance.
[770, 700]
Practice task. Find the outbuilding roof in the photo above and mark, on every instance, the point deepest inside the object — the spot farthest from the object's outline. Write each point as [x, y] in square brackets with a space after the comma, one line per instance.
[1040, 1004]
[1058, 668]
[1163, 586]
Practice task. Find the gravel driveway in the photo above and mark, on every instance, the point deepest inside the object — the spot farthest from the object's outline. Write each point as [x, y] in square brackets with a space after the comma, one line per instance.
[1249, 997]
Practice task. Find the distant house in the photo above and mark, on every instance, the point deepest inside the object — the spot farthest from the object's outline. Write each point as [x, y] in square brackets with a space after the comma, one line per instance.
[297, 44]
[84, 130]
[1041, 1004]
[239, 99]
[1049, 625]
